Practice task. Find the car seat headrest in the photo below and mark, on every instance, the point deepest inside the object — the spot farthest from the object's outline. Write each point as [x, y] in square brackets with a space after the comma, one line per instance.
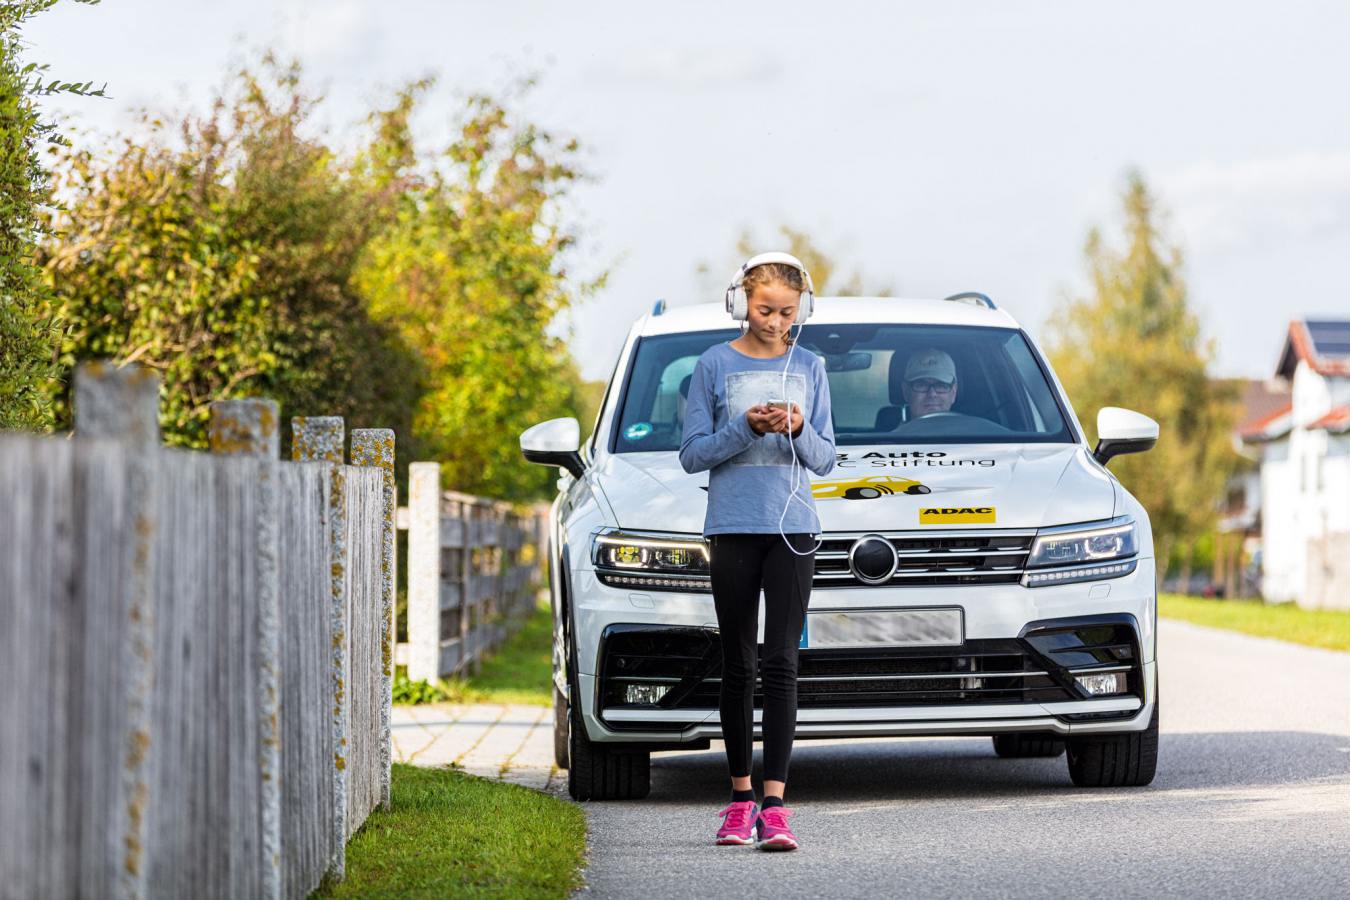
[896, 379]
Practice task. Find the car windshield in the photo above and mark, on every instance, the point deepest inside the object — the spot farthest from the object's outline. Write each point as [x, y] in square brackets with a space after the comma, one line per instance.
[889, 384]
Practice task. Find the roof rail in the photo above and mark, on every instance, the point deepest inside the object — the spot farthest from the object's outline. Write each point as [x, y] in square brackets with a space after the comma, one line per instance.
[974, 298]
[659, 307]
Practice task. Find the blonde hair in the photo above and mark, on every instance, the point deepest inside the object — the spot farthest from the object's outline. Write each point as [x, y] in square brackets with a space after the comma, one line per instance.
[773, 273]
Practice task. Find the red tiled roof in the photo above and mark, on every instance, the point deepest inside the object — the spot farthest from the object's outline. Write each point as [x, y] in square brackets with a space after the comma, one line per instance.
[1262, 403]
[1300, 345]
[1256, 428]
[1337, 420]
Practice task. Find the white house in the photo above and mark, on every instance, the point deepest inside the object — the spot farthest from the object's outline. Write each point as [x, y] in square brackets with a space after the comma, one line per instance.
[1304, 451]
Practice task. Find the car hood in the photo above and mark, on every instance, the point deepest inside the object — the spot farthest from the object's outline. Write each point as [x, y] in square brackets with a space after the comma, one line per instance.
[952, 486]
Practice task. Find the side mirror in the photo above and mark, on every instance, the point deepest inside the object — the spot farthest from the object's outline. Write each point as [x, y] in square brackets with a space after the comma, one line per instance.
[554, 443]
[1123, 431]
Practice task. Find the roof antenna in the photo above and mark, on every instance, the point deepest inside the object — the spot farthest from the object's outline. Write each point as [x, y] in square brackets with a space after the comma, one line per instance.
[974, 298]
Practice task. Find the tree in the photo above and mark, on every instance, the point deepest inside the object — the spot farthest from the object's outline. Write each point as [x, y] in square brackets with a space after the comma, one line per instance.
[240, 255]
[1134, 341]
[219, 252]
[471, 274]
[823, 266]
[28, 331]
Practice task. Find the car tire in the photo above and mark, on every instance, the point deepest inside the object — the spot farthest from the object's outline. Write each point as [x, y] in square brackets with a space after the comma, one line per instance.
[1024, 746]
[560, 719]
[862, 493]
[1116, 760]
[596, 773]
[918, 489]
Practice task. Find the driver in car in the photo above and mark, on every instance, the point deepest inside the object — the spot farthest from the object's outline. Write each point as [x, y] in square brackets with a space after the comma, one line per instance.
[930, 383]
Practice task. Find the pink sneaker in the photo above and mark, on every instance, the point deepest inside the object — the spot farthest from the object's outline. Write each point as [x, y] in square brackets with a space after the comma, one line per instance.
[738, 823]
[774, 833]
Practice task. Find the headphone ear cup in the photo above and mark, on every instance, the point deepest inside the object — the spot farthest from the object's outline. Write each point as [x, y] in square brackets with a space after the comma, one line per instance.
[806, 305]
[737, 304]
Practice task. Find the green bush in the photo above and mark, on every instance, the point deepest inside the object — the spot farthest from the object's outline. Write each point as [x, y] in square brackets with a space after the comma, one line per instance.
[29, 330]
[241, 254]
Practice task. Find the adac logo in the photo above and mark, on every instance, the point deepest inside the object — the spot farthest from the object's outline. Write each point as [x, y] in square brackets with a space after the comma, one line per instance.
[868, 488]
[950, 515]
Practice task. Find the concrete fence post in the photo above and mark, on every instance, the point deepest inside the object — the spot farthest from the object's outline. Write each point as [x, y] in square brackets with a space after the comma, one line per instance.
[123, 404]
[375, 447]
[250, 428]
[424, 571]
[320, 439]
[470, 611]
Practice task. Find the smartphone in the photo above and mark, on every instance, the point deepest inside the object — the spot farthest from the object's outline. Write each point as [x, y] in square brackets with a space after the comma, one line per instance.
[784, 405]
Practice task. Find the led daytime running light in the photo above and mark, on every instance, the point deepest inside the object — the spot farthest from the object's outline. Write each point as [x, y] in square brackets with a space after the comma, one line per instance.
[653, 543]
[1079, 573]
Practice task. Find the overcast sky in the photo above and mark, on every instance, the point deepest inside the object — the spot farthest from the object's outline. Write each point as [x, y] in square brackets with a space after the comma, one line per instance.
[935, 146]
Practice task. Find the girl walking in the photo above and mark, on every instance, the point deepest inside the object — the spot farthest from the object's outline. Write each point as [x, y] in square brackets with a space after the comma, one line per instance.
[758, 412]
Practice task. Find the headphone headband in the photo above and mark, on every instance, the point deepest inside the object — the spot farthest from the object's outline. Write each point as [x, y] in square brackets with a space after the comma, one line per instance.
[737, 302]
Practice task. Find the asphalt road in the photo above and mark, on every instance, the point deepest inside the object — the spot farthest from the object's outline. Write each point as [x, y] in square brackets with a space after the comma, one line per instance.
[1252, 799]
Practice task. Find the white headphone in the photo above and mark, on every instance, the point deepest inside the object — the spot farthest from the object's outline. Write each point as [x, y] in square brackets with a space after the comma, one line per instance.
[738, 305]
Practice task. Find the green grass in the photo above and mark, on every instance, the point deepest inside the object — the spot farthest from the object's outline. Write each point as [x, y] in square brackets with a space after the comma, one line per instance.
[1329, 629]
[453, 835]
[519, 671]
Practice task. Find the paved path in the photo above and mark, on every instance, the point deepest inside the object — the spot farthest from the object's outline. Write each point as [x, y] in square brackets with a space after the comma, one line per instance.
[503, 742]
[1252, 799]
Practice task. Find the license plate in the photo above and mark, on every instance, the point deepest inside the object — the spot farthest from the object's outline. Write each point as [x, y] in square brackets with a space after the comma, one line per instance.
[883, 628]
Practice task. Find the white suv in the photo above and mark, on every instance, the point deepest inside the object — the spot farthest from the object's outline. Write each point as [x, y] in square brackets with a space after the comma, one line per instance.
[982, 573]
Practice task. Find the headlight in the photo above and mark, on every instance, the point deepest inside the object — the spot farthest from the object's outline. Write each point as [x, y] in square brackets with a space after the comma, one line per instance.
[649, 560]
[1060, 556]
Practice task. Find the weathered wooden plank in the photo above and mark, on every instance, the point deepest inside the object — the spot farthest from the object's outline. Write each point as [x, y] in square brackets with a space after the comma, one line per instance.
[104, 574]
[452, 532]
[451, 655]
[484, 588]
[375, 447]
[122, 404]
[451, 596]
[306, 687]
[320, 439]
[41, 683]
[250, 428]
[365, 642]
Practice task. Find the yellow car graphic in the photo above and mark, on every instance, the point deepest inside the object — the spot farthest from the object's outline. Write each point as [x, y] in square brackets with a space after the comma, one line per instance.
[868, 488]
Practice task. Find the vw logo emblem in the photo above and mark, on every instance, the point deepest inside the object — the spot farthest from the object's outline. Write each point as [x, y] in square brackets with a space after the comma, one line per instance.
[872, 559]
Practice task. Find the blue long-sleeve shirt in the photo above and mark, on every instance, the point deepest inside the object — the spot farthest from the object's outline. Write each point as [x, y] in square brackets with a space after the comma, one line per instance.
[751, 474]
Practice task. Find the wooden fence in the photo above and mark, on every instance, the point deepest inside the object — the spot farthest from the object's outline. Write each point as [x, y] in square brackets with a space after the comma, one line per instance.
[474, 567]
[195, 650]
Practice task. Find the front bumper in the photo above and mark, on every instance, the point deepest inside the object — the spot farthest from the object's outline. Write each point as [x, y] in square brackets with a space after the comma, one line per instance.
[1005, 677]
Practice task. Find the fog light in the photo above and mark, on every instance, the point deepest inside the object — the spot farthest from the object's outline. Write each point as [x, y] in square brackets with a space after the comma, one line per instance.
[1111, 683]
[645, 693]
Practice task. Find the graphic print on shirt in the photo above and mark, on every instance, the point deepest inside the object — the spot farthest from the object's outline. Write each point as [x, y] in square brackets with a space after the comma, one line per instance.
[746, 389]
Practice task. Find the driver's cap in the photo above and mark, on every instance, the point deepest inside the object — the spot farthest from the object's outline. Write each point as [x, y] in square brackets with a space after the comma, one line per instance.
[931, 363]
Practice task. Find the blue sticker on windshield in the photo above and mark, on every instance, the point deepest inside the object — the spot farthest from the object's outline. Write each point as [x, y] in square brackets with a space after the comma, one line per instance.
[637, 431]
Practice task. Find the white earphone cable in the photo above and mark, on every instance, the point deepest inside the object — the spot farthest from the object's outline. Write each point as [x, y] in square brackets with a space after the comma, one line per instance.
[794, 476]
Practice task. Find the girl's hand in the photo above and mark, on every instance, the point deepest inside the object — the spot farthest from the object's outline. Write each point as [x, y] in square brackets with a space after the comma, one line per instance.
[779, 420]
[758, 418]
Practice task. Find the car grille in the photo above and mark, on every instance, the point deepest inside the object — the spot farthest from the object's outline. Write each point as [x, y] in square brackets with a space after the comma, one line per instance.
[1038, 667]
[977, 672]
[932, 558]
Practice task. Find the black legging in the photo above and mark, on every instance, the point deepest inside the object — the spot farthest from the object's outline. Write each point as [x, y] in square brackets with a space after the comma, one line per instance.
[740, 564]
